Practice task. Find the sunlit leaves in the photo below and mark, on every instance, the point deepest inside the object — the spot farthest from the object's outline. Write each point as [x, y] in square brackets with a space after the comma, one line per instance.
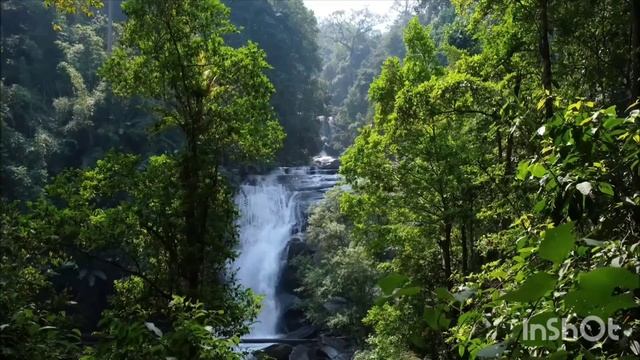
[557, 243]
[73, 6]
[594, 294]
[533, 288]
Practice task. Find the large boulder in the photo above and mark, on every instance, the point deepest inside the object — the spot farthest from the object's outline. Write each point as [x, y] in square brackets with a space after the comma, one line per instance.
[289, 280]
[326, 162]
[302, 352]
[292, 320]
[275, 351]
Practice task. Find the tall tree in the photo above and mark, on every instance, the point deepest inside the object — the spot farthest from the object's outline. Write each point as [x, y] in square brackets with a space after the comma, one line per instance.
[287, 32]
[218, 96]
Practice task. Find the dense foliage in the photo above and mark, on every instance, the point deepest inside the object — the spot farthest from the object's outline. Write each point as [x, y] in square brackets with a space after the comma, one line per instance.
[490, 152]
[489, 193]
[153, 232]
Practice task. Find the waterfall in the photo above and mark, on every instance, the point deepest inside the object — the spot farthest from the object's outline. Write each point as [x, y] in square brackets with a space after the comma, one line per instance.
[266, 220]
[273, 208]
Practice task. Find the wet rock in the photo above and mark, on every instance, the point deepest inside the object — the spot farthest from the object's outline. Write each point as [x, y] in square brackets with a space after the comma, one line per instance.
[302, 352]
[292, 320]
[296, 247]
[326, 162]
[276, 351]
[335, 349]
[288, 301]
[305, 332]
[289, 280]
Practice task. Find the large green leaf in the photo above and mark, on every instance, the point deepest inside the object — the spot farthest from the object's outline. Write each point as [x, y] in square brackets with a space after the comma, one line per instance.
[538, 170]
[392, 282]
[535, 287]
[606, 279]
[523, 170]
[594, 295]
[436, 318]
[586, 303]
[557, 243]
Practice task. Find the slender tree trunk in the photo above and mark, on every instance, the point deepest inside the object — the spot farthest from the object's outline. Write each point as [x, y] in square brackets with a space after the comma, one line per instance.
[474, 264]
[445, 246]
[545, 54]
[508, 164]
[635, 49]
[190, 175]
[499, 143]
[465, 249]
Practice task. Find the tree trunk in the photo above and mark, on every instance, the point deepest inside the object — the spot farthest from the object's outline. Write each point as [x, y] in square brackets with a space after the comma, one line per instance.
[545, 55]
[474, 263]
[635, 50]
[499, 142]
[445, 245]
[465, 249]
[508, 164]
[190, 182]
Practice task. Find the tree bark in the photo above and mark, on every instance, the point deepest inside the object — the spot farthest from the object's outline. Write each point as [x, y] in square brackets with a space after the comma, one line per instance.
[545, 54]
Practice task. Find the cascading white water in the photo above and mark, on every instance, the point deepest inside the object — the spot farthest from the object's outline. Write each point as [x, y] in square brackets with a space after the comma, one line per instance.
[272, 208]
[267, 217]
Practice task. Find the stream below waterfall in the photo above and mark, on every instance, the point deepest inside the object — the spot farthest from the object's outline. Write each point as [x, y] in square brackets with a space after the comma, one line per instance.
[273, 214]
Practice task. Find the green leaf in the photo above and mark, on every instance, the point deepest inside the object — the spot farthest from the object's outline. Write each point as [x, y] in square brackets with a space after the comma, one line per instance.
[608, 278]
[523, 170]
[557, 243]
[436, 318]
[559, 355]
[407, 291]
[539, 206]
[391, 282]
[605, 188]
[612, 122]
[585, 302]
[534, 287]
[444, 295]
[537, 170]
[594, 295]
